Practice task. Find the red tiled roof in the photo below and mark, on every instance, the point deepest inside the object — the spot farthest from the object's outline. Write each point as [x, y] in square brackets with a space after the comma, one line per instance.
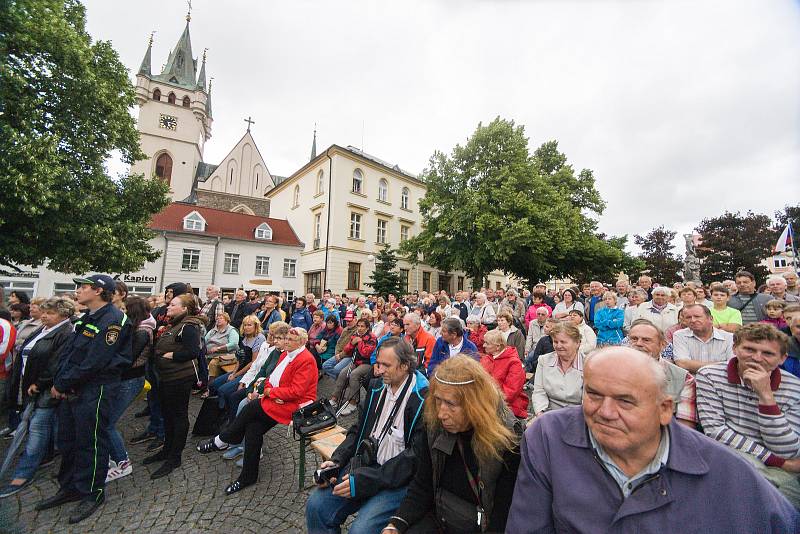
[224, 224]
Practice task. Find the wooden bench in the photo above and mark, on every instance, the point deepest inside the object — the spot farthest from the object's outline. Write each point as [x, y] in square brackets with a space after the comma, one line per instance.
[306, 440]
[327, 445]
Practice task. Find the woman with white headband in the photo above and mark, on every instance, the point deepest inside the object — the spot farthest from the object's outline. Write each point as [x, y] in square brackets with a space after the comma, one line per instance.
[467, 467]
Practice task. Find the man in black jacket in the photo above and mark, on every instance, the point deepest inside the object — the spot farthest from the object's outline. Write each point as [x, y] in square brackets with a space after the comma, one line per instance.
[390, 418]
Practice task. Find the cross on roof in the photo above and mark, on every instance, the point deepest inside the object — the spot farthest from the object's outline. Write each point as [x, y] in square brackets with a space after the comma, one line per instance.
[249, 123]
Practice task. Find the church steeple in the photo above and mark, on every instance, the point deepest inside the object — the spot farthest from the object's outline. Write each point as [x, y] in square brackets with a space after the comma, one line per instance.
[314, 145]
[201, 78]
[144, 68]
[181, 66]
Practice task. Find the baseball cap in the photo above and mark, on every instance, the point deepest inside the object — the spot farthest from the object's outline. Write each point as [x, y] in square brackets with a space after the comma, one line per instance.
[97, 280]
[349, 316]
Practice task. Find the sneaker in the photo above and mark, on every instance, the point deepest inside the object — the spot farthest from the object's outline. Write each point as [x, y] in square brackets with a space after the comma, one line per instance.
[11, 489]
[233, 453]
[141, 438]
[348, 409]
[240, 461]
[157, 445]
[122, 469]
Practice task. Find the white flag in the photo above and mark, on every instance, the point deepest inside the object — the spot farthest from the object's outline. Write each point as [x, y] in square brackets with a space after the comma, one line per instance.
[785, 240]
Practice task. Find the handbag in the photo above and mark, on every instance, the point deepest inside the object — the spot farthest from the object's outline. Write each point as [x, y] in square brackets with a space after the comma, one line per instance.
[210, 418]
[313, 418]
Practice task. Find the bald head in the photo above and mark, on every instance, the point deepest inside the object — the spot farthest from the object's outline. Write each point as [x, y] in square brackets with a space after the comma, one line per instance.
[629, 365]
[625, 403]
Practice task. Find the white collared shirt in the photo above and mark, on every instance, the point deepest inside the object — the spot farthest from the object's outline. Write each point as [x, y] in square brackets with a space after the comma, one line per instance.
[251, 373]
[394, 441]
[277, 373]
[456, 349]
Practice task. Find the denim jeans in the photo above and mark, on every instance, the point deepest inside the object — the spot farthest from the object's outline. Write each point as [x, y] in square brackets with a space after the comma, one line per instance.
[156, 425]
[225, 388]
[332, 368]
[325, 512]
[40, 436]
[126, 392]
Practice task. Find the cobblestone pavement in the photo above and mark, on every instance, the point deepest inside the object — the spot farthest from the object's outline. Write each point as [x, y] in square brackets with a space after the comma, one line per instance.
[191, 499]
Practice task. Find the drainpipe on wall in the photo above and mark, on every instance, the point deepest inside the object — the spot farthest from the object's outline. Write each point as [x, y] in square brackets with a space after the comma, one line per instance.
[214, 265]
[328, 224]
[163, 261]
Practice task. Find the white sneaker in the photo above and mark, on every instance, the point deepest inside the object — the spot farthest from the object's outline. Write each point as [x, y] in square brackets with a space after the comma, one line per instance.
[123, 469]
[348, 409]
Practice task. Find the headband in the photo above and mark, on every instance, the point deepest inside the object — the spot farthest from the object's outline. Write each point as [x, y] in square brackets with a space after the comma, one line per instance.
[449, 383]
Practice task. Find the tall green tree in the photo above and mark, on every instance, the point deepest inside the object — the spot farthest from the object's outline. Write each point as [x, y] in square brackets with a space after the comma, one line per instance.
[734, 241]
[64, 108]
[491, 205]
[663, 264]
[385, 278]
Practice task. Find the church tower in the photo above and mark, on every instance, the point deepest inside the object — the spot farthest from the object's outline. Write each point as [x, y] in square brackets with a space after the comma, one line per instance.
[174, 117]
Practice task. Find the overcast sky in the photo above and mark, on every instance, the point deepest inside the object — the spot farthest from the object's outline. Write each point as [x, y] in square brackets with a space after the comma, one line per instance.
[682, 109]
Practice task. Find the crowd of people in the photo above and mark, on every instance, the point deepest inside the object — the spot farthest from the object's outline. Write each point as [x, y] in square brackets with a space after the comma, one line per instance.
[600, 407]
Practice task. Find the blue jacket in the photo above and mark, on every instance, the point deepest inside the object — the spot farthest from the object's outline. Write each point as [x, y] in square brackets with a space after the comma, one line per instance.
[562, 487]
[333, 312]
[97, 352]
[441, 351]
[792, 363]
[301, 318]
[608, 322]
[398, 471]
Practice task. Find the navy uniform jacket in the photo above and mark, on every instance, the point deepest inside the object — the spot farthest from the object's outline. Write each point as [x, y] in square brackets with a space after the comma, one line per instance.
[98, 351]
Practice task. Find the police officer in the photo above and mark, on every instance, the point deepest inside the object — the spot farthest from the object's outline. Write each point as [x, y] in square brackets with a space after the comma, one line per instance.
[90, 362]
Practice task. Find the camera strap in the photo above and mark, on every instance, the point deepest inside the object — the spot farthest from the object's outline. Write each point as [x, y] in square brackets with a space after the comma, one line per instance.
[395, 409]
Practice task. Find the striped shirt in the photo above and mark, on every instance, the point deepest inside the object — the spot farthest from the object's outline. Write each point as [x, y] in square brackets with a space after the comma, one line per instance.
[687, 346]
[730, 413]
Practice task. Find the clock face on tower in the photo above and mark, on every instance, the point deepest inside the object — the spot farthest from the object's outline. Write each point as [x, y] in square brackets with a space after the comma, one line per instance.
[168, 122]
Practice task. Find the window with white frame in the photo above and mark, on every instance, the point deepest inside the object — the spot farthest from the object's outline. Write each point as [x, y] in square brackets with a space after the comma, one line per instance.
[381, 237]
[355, 225]
[263, 231]
[262, 265]
[404, 232]
[779, 262]
[358, 180]
[317, 229]
[190, 260]
[383, 190]
[289, 268]
[64, 287]
[194, 222]
[21, 286]
[231, 263]
[404, 198]
[320, 182]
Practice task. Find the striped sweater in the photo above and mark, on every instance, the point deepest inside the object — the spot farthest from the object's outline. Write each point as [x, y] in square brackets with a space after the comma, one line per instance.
[730, 413]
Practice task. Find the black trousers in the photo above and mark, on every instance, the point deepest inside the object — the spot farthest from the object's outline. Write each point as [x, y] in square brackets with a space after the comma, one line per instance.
[83, 440]
[174, 400]
[250, 425]
[233, 403]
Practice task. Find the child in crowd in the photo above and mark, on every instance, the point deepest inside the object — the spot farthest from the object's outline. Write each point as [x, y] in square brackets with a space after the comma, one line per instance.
[774, 310]
[725, 317]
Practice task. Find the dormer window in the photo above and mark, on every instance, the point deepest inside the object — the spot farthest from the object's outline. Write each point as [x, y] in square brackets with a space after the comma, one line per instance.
[194, 222]
[263, 231]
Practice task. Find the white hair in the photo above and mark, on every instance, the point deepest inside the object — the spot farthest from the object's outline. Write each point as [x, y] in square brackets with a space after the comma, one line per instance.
[776, 278]
[662, 289]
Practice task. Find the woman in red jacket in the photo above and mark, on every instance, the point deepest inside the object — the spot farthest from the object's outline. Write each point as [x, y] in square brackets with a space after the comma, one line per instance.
[502, 362]
[360, 348]
[291, 384]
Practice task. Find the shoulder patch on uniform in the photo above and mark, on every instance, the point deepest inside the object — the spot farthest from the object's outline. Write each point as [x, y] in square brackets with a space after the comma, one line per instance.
[112, 334]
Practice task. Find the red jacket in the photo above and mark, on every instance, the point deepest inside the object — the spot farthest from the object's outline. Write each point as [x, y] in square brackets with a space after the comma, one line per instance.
[298, 385]
[8, 336]
[477, 337]
[507, 370]
[365, 349]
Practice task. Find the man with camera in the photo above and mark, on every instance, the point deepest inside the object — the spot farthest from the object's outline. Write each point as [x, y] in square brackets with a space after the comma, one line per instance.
[370, 471]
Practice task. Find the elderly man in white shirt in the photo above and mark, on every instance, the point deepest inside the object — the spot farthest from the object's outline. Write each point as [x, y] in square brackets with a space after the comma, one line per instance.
[659, 311]
[483, 310]
[701, 344]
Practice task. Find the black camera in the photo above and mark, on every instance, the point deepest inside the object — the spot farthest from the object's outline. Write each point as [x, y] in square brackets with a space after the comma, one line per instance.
[324, 476]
